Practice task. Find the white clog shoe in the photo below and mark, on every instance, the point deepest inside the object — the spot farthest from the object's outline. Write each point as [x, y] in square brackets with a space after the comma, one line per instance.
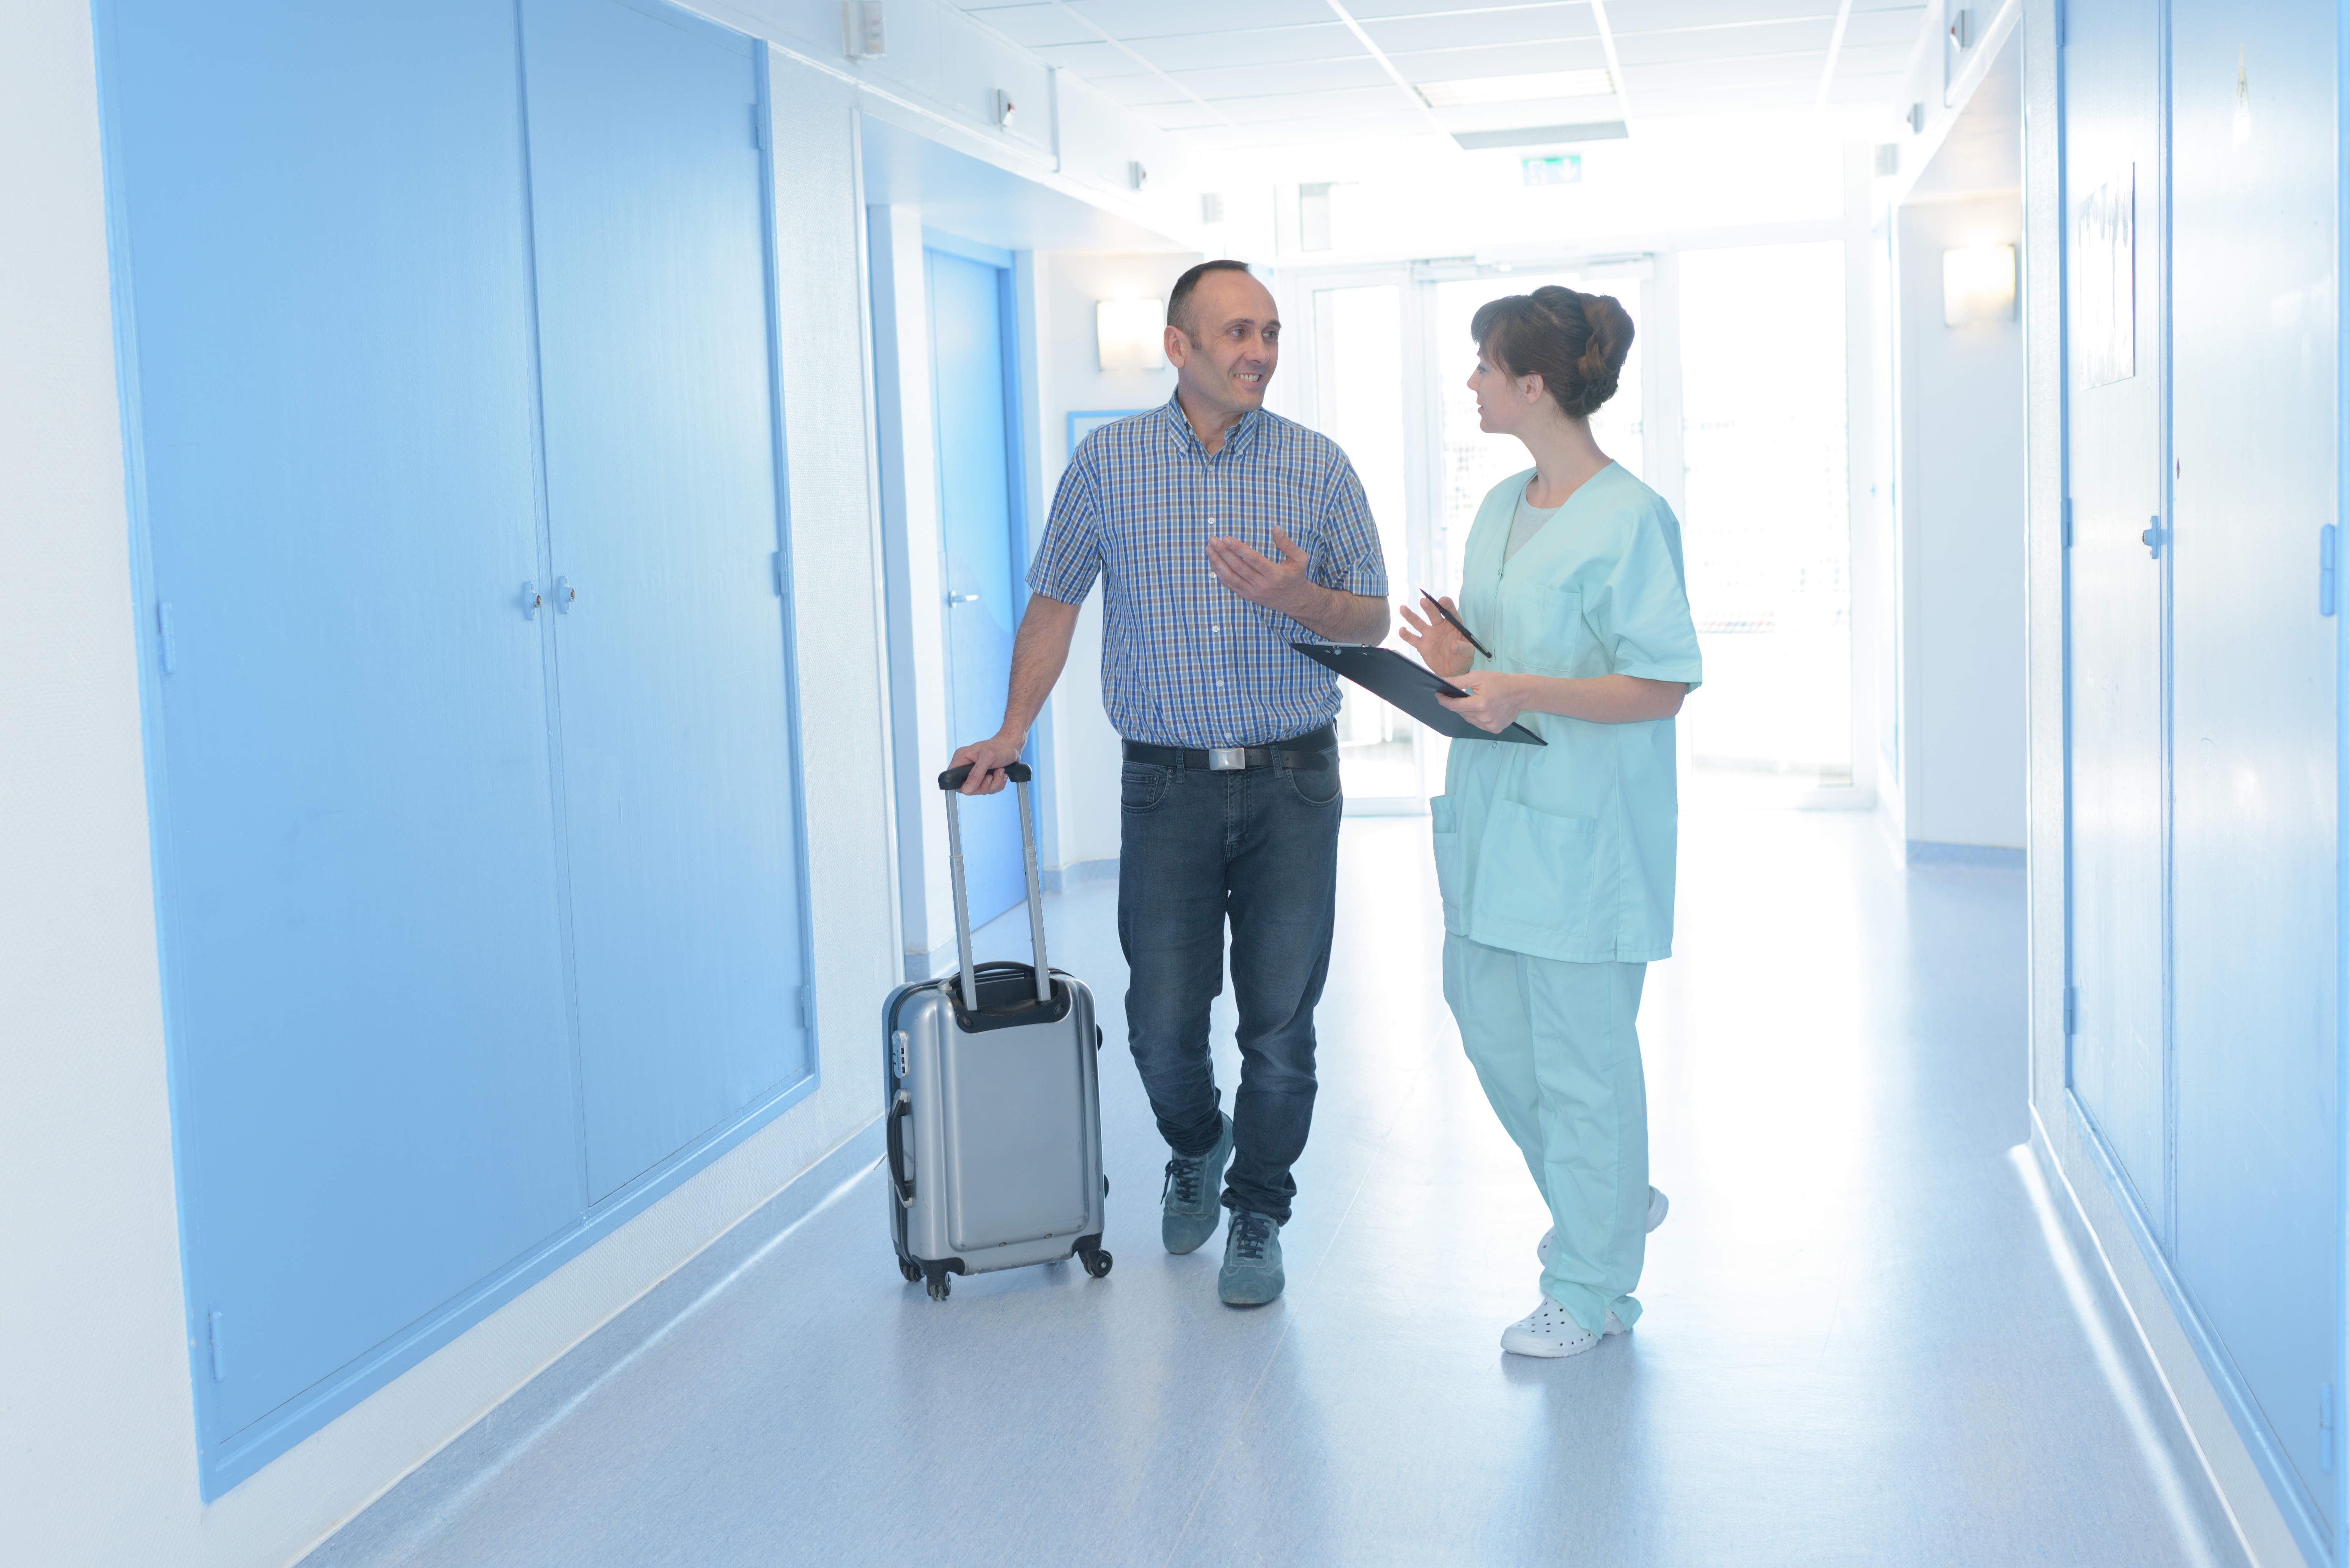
[1549, 1331]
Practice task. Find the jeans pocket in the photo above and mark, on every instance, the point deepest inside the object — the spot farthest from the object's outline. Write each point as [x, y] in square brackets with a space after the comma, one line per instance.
[1314, 786]
[1142, 786]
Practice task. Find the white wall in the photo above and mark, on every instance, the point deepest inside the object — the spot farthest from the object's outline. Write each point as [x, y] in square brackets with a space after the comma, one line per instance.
[1084, 758]
[98, 1460]
[1961, 510]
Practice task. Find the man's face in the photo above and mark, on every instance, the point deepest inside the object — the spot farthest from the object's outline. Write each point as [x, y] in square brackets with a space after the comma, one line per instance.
[1226, 360]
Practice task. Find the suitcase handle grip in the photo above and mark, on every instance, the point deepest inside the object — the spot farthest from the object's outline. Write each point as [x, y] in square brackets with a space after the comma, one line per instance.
[899, 1111]
[953, 778]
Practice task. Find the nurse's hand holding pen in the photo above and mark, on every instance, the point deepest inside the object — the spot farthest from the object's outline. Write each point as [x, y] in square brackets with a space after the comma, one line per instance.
[1497, 697]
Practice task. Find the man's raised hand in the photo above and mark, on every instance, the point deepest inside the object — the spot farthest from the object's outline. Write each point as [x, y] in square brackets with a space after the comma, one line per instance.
[1286, 584]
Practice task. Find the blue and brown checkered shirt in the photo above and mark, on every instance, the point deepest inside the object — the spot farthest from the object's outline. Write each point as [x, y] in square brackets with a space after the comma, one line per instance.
[1185, 660]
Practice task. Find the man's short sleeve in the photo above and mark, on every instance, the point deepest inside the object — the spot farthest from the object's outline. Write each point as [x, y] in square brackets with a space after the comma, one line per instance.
[1351, 559]
[1642, 612]
[1069, 557]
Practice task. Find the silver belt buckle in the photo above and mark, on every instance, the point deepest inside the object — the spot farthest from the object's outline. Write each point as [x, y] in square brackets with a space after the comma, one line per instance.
[1227, 758]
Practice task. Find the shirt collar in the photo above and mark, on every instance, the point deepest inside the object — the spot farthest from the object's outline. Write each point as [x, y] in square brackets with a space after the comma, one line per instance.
[1180, 423]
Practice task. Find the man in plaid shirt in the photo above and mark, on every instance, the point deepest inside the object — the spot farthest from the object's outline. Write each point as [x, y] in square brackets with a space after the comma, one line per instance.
[1222, 533]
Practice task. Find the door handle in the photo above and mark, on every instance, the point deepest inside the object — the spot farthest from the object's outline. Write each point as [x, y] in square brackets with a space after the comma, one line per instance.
[530, 601]
[2154, 538]
[962, 599]
[564, 595]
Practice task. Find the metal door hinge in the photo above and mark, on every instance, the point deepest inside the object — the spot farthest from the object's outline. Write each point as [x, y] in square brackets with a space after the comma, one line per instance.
[2155, 537]
[218, 1343]
[2068, 522]
[2328, 576]
[759, 127]
[167, 641]
[2072, 1009]
[808, 1007]
[2325, 1428]
[775, 572]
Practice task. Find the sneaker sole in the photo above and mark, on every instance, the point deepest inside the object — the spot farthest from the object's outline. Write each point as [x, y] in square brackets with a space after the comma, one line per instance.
[1548, 1349]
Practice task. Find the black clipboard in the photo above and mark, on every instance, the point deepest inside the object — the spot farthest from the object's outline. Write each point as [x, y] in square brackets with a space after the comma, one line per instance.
[1410, 686]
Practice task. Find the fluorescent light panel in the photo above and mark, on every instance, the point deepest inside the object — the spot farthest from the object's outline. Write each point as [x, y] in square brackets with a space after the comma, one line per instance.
[1594, 83]
[1543, 135]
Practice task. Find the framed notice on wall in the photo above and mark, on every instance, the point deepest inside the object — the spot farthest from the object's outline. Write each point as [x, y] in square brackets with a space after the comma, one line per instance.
[2105, 253]
[1084, 424]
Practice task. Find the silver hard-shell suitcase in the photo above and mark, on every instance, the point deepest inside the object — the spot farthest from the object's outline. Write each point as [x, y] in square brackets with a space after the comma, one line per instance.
[995, 1119]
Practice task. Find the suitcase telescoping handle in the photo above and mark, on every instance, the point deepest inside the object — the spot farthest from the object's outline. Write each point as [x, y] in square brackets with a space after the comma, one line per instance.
[951, 781]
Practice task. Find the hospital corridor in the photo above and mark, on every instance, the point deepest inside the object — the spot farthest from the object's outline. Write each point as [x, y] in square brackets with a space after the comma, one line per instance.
[1466, 784]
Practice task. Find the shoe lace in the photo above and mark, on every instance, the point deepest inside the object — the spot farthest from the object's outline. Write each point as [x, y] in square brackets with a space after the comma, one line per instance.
[1183, 1179]
[1249, 1233]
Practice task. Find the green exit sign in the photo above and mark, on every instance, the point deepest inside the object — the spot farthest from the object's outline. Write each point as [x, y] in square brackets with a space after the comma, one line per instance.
[1561, 170]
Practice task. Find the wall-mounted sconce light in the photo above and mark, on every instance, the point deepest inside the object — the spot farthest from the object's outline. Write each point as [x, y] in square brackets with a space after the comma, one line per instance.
[1130, 334]
[1977, 285]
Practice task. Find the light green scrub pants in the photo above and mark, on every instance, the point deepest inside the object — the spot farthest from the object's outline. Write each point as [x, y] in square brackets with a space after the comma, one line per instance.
[1554, 1045]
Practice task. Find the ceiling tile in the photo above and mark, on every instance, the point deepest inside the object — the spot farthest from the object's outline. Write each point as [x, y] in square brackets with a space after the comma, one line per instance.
[1803, 70]
[1323, 40]
[1034, 25]
[1629, 18]
[1096, 62]
[1725, 42]
[1157, 19]
[1897, 27]
[1520, 25]
[1273, 81]
[1571, 55]
[1366, 10]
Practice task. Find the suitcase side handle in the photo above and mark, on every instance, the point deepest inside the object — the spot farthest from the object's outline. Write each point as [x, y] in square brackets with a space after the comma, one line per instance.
[900, 1110]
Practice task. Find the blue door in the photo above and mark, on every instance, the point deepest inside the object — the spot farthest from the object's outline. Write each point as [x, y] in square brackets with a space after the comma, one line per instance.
[662, 504]
[971, 384]
[2113, 190]
[330, 334]
[2255, 791]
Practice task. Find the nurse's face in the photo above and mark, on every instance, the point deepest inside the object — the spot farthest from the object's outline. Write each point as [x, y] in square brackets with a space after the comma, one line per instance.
[1505, 403]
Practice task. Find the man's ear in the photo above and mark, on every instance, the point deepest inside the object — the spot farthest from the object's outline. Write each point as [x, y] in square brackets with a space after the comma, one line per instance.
[1178, 347]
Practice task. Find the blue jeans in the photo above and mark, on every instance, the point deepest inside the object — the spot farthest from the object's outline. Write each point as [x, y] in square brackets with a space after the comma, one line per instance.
[1258, 847]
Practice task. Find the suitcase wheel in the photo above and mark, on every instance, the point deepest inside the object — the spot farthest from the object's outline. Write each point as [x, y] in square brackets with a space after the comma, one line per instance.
[940, 1285]
[913, 1271]
[1096, 1261]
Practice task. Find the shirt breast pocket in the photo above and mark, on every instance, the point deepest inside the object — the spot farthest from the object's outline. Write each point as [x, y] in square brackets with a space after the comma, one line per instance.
[1546, 627]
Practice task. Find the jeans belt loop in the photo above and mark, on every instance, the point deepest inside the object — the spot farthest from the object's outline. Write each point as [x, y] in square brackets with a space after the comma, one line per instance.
[1227, 758]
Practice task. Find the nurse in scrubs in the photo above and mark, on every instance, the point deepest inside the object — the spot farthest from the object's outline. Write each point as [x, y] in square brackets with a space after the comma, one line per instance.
[1555, 862]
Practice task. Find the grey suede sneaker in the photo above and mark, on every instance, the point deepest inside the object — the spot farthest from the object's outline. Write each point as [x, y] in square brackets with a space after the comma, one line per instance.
[1191, 1202]
[1251, 1274]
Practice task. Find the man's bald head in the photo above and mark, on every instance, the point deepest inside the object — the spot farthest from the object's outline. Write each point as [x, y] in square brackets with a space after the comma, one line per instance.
[1181, 312]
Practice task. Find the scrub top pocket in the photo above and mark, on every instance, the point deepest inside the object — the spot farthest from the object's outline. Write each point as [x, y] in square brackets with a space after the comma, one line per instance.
[1538, 881]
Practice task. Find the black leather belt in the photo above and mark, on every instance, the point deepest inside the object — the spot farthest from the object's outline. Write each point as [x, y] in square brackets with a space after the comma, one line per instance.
[1310, 753]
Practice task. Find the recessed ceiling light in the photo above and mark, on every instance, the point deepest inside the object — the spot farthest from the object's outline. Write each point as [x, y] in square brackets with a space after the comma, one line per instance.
[1595, 83]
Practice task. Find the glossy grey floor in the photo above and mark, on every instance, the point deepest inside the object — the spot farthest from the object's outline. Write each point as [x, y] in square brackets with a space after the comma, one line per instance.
[1859, 1348]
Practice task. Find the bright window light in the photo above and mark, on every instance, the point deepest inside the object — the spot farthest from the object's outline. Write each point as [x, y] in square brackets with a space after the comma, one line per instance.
[1130, 334]
[1977, 285]
[1595, 83]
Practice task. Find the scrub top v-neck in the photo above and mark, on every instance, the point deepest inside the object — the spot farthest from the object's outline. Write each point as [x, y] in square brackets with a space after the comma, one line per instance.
[1567, 850]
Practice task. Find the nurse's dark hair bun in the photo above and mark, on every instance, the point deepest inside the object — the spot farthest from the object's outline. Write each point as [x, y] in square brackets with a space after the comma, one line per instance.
[1575, 342]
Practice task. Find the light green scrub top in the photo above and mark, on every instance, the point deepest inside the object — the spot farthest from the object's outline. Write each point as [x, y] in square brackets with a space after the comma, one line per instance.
[1566, 850]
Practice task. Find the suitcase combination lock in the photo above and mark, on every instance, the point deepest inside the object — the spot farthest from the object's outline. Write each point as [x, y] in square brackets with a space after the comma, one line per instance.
[901, 1055]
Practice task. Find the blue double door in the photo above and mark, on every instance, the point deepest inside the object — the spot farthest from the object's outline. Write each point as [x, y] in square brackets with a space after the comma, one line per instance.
[971, 392]
[446, 333]
[2202, 193]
